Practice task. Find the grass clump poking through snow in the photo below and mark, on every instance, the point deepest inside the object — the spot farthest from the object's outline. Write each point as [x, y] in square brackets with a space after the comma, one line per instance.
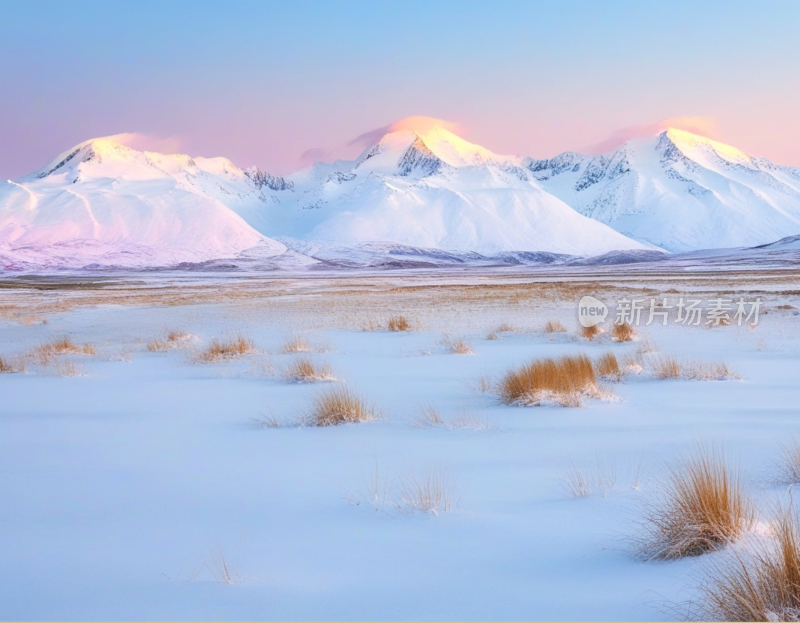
[430, 491]
[555, 326]
[7, 366]
[303, 370]
[561, 381]
[667, 367]
[590, 332]
[457, 346]
[219, 351]
[172, 340]
[296, 344]
[789, 464]
[703, 509]
[45, 353]
[399, 323]
[622, 332]
[340, 406]
[608, 367]
[763, 585]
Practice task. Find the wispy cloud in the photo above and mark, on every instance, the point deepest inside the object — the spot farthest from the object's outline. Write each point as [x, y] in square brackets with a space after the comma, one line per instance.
[703, 126]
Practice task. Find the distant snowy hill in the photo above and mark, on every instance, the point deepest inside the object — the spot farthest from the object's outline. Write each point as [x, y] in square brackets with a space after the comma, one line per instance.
[679, 191]
[431, 189]
[104, 203]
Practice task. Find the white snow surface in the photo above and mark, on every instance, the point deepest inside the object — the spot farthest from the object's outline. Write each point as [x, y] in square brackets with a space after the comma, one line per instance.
[679, 191]
[118, 486]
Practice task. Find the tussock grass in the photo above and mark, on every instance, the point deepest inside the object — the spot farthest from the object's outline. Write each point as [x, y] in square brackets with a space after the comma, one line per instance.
[789, 462]
[399, 323]
[428, 491]
[296, 344]
[555, 326]
[221, 569]
[67, 368]
[428, 417]
[232, 349]
[763, 585]
[458, 346]
[267, 420]
[484, 384]
[171, 340]
[7, 366]
[608, 368]
[581, 482]
[45, 353]
[304, 370]
[561, 381]
[340, 406]
[622, 332]
[590, 332]
[703, 509]
[669, 367]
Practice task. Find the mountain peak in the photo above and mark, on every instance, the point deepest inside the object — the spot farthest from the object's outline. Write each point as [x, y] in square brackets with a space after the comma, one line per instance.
[700, 148]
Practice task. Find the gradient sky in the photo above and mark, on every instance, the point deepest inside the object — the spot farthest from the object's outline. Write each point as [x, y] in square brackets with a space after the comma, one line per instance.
[262, 83]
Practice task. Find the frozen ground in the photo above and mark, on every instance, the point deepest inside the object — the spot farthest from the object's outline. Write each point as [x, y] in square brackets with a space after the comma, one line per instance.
[120, 484]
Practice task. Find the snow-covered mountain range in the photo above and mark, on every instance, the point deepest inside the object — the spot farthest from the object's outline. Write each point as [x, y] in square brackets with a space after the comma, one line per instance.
[415, 191]
[679, 191]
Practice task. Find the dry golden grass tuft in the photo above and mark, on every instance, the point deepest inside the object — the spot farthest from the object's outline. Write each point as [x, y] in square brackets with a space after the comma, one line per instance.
[555, 326]
[428, 491]
[590, 332]
[296, 344]
[484, 384]
[458, 346]
[608, 367]
[706, 371]
[667, 367]
[622, 332]
[580, 483]
[67, 367]
[704, 508]
[7, 366]
[789, 464]
[45, 353]
[173, 339]
[427, 417]
[340, 406]
[763, 585]
[232, 349]
[561, 381]
[399, 323]
[267, 420]
[304, 370]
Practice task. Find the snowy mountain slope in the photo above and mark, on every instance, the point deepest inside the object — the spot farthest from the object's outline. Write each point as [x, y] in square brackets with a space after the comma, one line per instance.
[434, 190]
[679, 191]
[103, 202]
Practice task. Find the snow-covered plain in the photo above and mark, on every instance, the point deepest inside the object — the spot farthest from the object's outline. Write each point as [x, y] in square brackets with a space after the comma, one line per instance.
[118, 485]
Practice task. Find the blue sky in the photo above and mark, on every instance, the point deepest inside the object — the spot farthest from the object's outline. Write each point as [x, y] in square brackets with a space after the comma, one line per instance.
[263, 82]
